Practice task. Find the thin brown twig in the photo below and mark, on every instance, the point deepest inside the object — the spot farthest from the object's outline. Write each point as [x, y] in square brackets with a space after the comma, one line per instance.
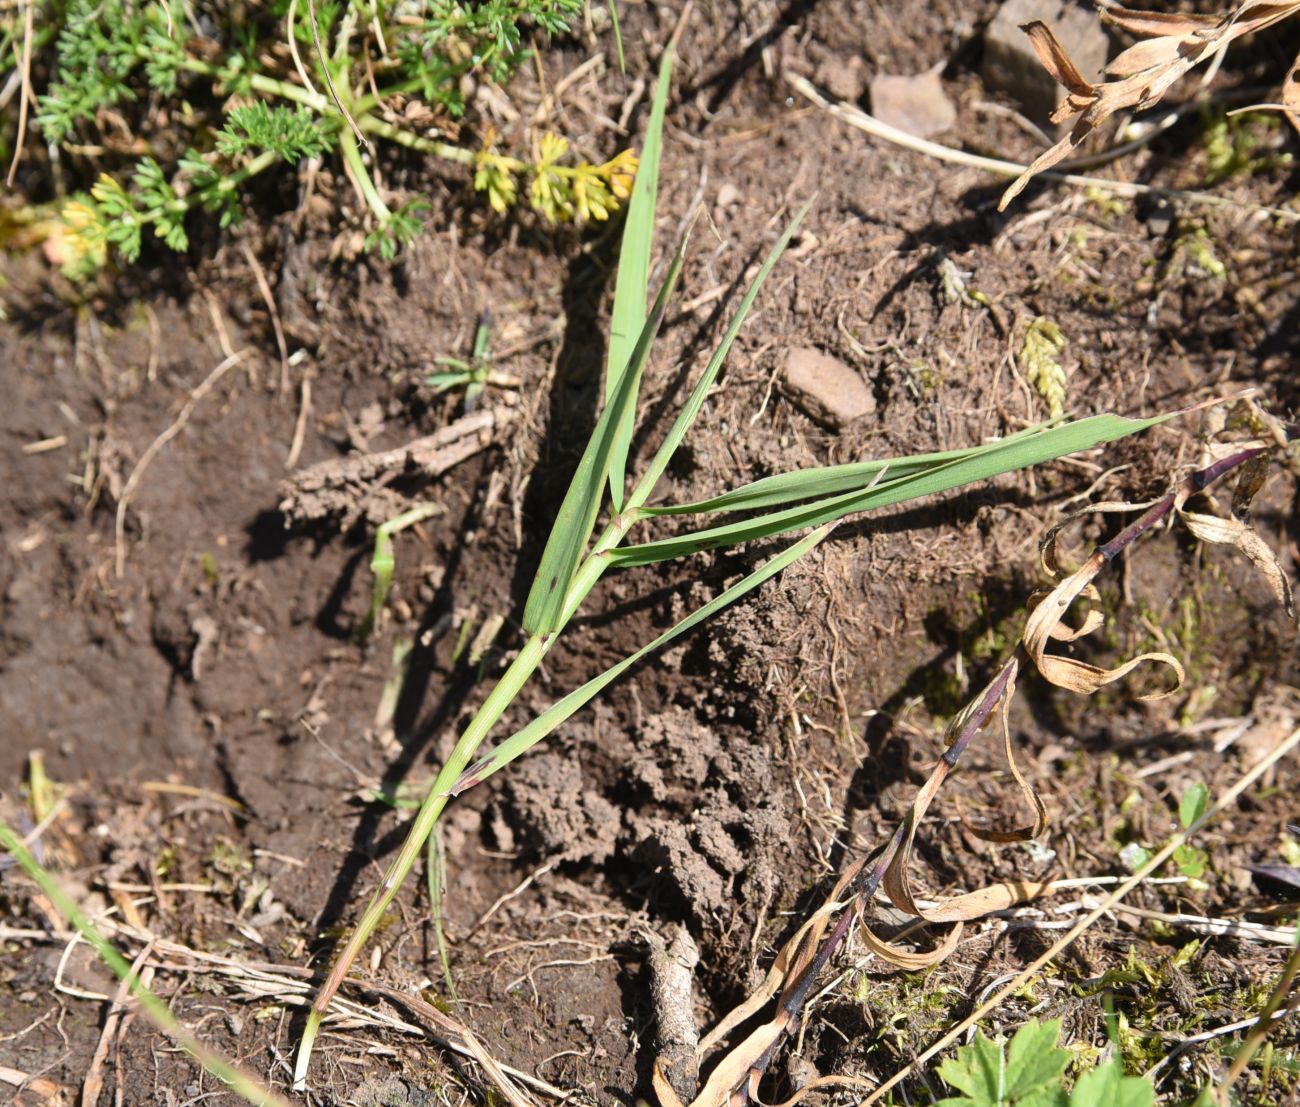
[133, 481]
[264, 287]
[300, 424]
[25, 96]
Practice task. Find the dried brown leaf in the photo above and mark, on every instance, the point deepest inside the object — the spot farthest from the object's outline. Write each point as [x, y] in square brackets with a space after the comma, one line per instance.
[1052, 56]
[1233, 532]
[1047, 623]
[1158, 23]
[1146, 54]
[1291, 94]
[1176, 44]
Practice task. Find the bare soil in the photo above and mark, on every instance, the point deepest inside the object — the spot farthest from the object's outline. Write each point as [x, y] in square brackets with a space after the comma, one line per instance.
[217, 727]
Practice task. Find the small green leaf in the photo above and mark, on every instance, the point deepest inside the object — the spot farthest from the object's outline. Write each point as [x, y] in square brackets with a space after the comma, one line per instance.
[1193, 804]
[1107, 1086]
[1033, 1061]
[1027, 1073]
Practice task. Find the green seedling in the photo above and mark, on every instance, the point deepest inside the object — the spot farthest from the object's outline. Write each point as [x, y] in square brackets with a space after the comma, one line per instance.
[473, 375]
[384, 562]
[577, 555]
[290, 82]
[1029, 1071]
[435, 870]
[1190, 860]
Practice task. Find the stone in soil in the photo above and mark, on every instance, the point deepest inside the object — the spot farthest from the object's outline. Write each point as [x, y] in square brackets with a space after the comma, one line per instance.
[843, 78]
[917, 105]
[1011, 66]
[826, 388]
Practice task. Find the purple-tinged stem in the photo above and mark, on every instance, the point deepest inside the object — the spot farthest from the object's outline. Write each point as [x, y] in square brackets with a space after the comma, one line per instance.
[864, 884]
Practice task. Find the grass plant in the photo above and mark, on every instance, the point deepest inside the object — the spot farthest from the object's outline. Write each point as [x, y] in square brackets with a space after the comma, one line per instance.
[577, 555]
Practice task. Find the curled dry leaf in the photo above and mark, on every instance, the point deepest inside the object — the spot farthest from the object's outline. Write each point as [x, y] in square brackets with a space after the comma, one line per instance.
[1237, 531]
[1291, 95]
[1170, 46]
[734, 1080]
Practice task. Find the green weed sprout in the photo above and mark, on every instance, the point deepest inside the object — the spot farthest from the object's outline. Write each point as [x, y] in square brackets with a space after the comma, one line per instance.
[576, 555]
[1028, 1072]
[294, 81]
[383, 562]
[473, 375]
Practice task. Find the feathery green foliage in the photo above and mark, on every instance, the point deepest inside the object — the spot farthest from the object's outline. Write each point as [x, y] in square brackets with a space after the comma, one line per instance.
[240, 103]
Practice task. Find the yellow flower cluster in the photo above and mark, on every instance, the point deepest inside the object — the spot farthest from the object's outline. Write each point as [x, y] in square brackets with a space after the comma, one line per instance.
[559, 192]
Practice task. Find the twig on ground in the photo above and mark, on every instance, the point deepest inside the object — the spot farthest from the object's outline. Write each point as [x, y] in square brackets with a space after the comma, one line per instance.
[25, 95]
[856, 117]
[331, 487]
[118, 1015]
[264, 288]
[133, 481]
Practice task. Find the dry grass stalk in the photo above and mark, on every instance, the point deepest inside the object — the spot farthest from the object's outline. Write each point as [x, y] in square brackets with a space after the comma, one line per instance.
[1170, 45]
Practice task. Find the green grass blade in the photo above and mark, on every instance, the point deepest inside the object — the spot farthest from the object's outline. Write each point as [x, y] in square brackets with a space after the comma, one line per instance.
[577, 514]
[618, 37]
[558, 712]
[631, 285]
[436, 875]
[985, 462]
[238, 1081]
[787, 488]
[691, 409]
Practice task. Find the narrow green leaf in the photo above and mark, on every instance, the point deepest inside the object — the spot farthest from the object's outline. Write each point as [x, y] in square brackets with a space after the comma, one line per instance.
[985, 462]
[686, 417]
[558, 712]
[1193, 804]
[632, 283]
[618, 37]
[787, 488]
[577, 514]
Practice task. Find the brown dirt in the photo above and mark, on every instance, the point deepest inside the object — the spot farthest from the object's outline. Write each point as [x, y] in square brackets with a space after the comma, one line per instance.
[723, 783]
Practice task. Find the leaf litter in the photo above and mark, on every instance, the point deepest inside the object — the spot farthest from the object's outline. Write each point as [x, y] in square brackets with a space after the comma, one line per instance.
[1170, 45]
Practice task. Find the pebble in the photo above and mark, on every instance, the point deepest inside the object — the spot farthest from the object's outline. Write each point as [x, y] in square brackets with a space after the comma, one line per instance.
[917, 105]
[1011, 66]
[826, 388]
[842, 78]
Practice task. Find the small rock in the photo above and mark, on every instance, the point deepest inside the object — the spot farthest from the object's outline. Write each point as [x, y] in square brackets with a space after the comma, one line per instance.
[1160, 218]
[728, 195]
[1010, 64]
[917, 105]
[826, 388]
[843, 78]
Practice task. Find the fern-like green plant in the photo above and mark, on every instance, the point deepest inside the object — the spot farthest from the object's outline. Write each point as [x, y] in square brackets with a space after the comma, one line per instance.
[355, 72]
